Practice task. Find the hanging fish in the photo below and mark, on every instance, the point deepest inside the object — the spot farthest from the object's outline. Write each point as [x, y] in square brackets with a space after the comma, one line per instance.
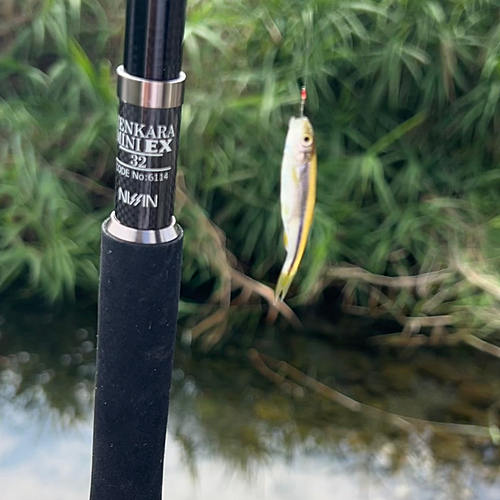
[298, 195]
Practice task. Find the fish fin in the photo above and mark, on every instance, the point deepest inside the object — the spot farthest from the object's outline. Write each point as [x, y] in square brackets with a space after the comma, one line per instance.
[285, 239]
[284, 281]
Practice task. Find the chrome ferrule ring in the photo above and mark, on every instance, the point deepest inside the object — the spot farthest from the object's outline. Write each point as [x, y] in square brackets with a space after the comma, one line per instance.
[150, 93]
[142, 236]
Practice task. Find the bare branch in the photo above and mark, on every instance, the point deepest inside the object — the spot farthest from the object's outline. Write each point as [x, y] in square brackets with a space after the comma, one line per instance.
[226, 266]
[484, 281]
[481, 345]
[358, 273]
[266, 293]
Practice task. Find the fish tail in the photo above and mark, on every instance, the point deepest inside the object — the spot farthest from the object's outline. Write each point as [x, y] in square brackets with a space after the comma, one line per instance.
[284, 281]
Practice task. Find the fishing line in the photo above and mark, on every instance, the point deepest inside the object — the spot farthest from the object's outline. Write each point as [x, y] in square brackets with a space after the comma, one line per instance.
[307, 18]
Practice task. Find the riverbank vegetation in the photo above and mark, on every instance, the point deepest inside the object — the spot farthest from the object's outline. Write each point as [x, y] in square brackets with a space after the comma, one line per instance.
[404, 97]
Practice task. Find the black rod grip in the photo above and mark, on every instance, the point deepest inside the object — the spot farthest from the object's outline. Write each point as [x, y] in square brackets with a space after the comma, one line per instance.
[138, 307]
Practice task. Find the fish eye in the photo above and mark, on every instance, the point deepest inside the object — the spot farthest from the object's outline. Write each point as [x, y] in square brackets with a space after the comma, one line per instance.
[307, 139]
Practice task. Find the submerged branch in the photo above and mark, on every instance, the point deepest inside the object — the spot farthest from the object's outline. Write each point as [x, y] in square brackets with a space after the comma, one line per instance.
[461, 337]
[400, 340]
[278, 371]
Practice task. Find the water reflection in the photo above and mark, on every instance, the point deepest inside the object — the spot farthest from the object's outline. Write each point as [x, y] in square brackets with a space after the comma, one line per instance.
[232, 432]
[47, 362]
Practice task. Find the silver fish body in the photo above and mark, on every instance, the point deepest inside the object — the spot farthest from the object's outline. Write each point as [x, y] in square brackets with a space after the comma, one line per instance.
[297, 197]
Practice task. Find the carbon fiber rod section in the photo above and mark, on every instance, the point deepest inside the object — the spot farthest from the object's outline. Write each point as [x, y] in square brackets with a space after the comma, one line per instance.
[138, 305]
[146, 165]
[153, 38]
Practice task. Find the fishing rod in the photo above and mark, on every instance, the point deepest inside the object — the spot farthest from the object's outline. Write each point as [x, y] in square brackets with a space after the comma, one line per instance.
[141, 253]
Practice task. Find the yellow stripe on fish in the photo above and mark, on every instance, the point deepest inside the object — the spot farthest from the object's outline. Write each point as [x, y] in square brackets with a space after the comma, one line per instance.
[298, 197]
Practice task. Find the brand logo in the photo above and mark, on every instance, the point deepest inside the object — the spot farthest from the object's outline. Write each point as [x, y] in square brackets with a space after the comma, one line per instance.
[137, 199]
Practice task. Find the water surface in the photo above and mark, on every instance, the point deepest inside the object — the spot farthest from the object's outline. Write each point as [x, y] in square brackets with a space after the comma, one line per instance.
[234, 433]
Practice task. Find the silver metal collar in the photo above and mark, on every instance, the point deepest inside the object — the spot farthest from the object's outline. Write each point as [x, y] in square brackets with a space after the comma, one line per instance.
[150, 93]
[148, 237]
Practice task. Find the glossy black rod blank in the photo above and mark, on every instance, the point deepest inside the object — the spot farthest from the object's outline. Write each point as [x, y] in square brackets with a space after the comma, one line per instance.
[153, 38]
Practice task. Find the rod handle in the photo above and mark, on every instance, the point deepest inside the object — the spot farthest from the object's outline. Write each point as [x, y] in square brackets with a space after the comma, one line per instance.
[138, 307]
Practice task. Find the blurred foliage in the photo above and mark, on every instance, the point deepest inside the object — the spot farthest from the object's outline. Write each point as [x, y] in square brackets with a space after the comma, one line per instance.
[404, 97]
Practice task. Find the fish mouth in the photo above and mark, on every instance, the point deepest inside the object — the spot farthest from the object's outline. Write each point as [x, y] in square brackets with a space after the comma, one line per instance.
[298, 118]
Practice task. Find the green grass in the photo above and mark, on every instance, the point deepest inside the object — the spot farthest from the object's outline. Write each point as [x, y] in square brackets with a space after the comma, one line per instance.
[404, 97]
